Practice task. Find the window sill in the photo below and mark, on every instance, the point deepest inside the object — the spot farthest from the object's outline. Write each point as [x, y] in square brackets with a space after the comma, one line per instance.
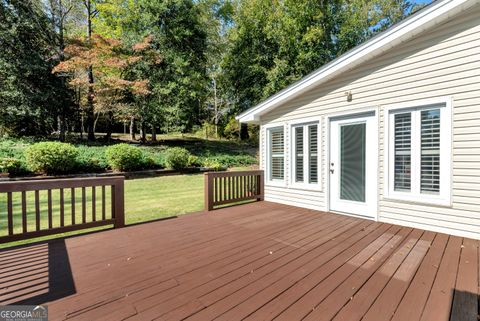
[275, 184]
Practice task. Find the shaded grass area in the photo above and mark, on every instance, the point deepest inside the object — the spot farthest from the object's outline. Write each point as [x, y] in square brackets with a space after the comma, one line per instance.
[145, 200]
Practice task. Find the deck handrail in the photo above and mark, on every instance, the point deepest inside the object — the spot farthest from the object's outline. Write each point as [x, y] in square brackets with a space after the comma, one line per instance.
[222, 188]
[48, 224]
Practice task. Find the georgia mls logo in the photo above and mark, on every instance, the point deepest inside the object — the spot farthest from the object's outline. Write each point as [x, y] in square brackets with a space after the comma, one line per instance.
[23, 313]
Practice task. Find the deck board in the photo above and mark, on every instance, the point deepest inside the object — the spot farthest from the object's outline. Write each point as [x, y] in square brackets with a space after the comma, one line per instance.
[260, 261]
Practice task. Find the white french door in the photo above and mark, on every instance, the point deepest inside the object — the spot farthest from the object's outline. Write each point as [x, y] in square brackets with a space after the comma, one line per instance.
[353, 164]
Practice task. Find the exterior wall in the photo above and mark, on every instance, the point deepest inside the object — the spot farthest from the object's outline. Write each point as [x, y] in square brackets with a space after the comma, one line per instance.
[442, 62]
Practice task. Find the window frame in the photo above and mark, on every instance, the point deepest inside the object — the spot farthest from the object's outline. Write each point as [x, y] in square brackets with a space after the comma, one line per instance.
[305, 123]
[414, 195]
[268, 161]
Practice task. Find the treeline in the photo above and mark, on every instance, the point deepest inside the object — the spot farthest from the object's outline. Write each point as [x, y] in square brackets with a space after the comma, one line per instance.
[88, 66]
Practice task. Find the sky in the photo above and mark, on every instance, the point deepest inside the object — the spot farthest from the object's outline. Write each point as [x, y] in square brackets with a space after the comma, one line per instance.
[422, 1]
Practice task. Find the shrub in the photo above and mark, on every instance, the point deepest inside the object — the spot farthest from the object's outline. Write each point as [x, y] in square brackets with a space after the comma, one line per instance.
[91, 159]
[213, 165]
[124, 157]
[177, 158]
[51, 157]
[194, 161]
[12, 166]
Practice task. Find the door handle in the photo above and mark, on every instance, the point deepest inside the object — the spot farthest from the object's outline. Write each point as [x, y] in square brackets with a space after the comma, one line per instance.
[331, 170]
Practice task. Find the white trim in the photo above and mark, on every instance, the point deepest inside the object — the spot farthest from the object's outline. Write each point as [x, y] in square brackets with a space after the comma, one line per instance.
[429, 17]
[305, 122]
[363, 112]
[446, 172]
[268, 181]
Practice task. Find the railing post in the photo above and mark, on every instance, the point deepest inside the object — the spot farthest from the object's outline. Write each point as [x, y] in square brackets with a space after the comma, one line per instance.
[208, 192]
[261, 186]
[119, 203]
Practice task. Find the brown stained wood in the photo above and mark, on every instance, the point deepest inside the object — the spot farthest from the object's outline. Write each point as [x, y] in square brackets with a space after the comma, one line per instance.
[387, 302]
[9, 213]
[438, 305]
[37, 210]
[84, 206]
[73, 202]
[259, 261]
[412, 304]
[103, 203]
[62, 208]
[43, 228]
[465, 298]
[24, 212]
[222, 188]
[94, 204]
[49, 209]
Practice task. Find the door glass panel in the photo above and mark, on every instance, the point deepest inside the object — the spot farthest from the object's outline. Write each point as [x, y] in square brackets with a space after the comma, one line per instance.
[352, 162]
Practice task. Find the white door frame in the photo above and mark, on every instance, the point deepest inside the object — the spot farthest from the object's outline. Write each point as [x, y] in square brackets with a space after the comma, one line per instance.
[372, 112]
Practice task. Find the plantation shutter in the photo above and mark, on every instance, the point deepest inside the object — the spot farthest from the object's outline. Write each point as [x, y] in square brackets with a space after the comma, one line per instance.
[430, 155]
[313, 153]
[403, 152]
[276, 153]
[299, 154]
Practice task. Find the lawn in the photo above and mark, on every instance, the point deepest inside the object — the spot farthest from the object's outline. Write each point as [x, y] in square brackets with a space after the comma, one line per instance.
[145, 200]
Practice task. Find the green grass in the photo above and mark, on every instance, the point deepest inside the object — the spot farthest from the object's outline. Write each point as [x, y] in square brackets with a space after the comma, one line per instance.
[145, 200]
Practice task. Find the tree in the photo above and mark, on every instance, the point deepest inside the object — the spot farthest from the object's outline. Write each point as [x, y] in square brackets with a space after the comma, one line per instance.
[30, 96]
[274, 43]
[105, 59]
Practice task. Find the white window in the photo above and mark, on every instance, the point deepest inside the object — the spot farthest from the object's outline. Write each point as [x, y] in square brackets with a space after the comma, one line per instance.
[305, 158]
[276, 154]
[419, 153]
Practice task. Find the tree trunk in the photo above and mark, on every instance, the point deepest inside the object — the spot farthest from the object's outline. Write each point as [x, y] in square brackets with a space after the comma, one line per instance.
[91, 93]
[132, 128]
[143, 131]
[154, 133]
[108, 135]
[243, 131]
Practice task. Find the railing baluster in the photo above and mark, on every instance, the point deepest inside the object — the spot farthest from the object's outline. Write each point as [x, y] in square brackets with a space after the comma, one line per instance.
[9, 213]
[37, 210]
[24, 212]
[103, 203]
[49, 205]
[84, 206]
[73, 206]
[62, 208]
[94, 200]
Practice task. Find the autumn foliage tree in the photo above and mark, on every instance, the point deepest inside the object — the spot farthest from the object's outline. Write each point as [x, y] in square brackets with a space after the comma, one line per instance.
[109, 59]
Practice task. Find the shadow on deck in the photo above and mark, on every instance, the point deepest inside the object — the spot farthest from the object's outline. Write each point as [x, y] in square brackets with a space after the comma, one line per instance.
[35, 274]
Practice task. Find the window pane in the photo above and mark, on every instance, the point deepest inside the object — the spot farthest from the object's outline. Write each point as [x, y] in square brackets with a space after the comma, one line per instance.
[430, 177]
[299, 154]
[403, 151]
[276, 153]
[352, 162]
[313, 153]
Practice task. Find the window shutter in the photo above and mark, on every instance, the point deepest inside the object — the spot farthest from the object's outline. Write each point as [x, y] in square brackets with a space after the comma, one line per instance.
[299, 154]
[430, 162]
[403, 152]
[277, 153]
[313, 153]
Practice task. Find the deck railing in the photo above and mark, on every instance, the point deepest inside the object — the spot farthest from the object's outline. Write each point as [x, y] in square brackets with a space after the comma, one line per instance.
[37, 208]
[223, 188]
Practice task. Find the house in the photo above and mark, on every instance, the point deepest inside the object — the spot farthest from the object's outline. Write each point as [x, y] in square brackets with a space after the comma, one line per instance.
[389, 131]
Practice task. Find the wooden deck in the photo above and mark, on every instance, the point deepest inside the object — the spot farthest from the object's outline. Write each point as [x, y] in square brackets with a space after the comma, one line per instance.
[260, 261]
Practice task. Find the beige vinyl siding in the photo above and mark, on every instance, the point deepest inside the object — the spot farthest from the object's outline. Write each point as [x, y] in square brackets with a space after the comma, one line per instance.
[442, 62]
